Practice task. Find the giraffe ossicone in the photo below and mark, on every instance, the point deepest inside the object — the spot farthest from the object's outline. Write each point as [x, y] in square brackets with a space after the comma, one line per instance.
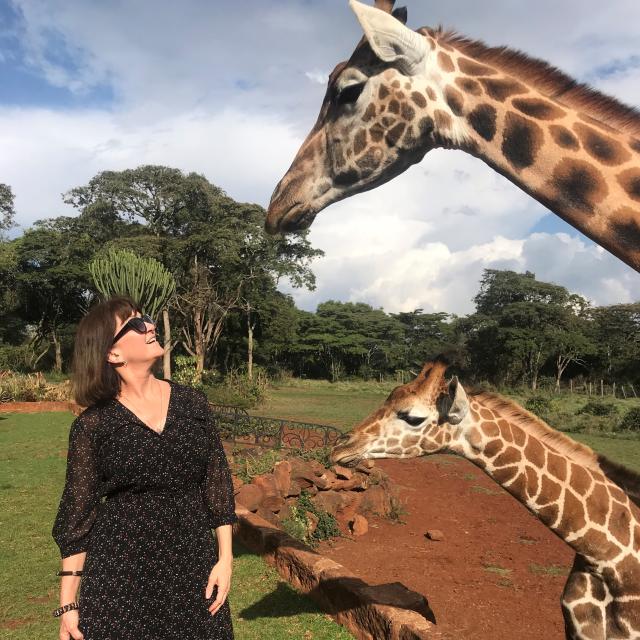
[404, 92]
[577, 493]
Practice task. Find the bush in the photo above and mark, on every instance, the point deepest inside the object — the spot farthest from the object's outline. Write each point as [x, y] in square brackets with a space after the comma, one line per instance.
[297, 524]
[631, 420]
[321, 454]
[31, 387]
[18, 358]
[599, 408]
[540, 405]
[587, 423]
[252, 390]
[186, 372]
[248, 465]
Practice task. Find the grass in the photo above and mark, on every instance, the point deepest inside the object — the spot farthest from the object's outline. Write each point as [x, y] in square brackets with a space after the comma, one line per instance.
[552, 570]
[32, 467]
[494, 568]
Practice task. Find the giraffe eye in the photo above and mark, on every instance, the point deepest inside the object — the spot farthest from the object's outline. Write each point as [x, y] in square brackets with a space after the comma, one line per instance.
[349, 94]
[412, 421]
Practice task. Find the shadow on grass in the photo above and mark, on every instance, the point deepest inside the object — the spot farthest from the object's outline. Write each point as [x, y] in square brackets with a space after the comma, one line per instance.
[335, 596]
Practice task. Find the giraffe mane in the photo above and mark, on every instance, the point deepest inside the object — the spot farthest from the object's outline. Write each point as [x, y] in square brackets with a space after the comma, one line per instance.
[533, 425]
[626, 479]
[548, 79]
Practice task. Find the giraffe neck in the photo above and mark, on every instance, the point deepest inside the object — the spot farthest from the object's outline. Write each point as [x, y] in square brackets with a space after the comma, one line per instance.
[568, 159]
[572, 497]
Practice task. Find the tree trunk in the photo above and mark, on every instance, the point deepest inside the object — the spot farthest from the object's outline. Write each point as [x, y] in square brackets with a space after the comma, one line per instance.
[166, 358]
[58, 350]
[249, 347]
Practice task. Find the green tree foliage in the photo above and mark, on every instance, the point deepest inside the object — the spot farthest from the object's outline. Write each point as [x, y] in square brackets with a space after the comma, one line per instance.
[7, 209]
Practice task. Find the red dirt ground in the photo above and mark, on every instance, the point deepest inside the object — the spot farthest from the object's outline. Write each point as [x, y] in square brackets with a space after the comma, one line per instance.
[498, 573]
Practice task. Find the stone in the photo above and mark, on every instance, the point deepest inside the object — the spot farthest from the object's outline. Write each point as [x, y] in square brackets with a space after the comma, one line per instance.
[434, 534]
[325, 481]
[294, 489]
[303, 470]
[268, 515]
[359, 525]
[250, 496]
[376, 500]
[282, 476]
[342, 472]
[267, 483]
[365, 466]
[273, 503]
[237, 483]
[378, 476]
[358, 482]
[331, 501]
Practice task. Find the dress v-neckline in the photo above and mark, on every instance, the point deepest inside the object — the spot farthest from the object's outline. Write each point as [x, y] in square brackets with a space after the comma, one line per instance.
[142, 422]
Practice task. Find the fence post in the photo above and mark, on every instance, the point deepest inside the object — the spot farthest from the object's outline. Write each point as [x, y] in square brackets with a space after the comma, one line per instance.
[624, 395]
[601, 387]
[634, 391]
[614, 389]
[571, 385]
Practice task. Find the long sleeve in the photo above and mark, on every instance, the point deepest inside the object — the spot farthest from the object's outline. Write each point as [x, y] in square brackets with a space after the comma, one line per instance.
[80, 499]
[217, 487]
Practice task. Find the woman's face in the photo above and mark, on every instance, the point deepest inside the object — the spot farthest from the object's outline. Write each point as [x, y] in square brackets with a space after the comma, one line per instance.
[136, 347]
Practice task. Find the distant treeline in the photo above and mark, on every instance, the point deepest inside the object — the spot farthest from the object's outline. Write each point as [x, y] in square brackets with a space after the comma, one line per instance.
[523, 331]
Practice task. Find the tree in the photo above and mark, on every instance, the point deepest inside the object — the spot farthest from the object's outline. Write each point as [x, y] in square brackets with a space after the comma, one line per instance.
[7, 209]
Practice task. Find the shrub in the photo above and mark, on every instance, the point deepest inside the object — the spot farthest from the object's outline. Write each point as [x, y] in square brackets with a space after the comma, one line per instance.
[631, 420]
[540, 405]
[253, 390]
[249, 465]
[16, 358]
[186, 372]
[321, 454]
[597, 407]
[31, 387]
[297, 524]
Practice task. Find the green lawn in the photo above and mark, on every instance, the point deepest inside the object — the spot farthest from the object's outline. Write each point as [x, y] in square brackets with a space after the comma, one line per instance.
[32, 466]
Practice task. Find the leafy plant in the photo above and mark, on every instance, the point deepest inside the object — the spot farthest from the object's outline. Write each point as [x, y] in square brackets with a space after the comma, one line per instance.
[595, 407]
[297, 525]
[540, 405]
[321, 454]
[631, 420]
[186, 372]
[249, 466]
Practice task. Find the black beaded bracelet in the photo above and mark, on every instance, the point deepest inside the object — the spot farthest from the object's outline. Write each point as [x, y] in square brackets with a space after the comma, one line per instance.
[64, 608]
[69, 573]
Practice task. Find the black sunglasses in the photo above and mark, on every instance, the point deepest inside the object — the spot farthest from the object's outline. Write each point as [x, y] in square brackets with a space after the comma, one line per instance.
[137, 324]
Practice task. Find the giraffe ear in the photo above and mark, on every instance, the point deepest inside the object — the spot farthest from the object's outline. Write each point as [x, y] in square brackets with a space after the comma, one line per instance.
[389, 38]
[459, 402]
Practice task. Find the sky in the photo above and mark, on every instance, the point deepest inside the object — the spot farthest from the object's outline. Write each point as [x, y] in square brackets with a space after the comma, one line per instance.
[230, 89]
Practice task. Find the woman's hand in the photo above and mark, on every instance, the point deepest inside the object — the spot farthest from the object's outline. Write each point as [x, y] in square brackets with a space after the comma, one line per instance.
[69, 626]
[221, 576]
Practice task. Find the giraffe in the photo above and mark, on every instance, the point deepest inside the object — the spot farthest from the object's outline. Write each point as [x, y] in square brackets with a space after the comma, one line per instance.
[587, 500]
[404, 92]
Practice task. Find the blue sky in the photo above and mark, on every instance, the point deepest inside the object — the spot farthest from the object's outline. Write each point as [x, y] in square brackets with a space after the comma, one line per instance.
[230, 90]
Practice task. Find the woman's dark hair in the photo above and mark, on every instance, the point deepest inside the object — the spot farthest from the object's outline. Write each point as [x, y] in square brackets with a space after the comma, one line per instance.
[93, 378]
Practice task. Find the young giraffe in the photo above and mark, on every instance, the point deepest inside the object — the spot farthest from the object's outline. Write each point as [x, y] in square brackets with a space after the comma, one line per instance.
[404, 92]
[575, 492]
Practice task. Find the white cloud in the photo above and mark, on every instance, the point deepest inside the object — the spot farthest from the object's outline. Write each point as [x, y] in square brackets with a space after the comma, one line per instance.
[46, 153]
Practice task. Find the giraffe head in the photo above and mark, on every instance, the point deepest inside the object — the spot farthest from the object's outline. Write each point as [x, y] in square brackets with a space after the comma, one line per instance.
[419, 418]
[382, 111]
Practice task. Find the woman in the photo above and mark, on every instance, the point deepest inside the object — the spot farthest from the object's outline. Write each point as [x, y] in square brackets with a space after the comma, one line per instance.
[149, 566]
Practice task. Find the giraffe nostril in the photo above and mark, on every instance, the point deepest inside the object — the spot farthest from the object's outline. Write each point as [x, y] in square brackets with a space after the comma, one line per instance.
[342, 439]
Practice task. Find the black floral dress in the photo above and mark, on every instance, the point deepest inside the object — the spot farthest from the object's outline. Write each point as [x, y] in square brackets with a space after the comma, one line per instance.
[149, 543]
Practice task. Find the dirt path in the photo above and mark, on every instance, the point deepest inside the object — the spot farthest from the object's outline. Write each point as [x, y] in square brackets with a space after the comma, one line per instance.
[498, 573]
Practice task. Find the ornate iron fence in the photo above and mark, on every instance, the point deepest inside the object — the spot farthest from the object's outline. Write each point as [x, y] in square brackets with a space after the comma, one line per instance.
[237, 426]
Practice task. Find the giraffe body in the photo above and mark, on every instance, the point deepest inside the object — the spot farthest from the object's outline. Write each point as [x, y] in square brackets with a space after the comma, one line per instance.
[562, 482]
[404, 92]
